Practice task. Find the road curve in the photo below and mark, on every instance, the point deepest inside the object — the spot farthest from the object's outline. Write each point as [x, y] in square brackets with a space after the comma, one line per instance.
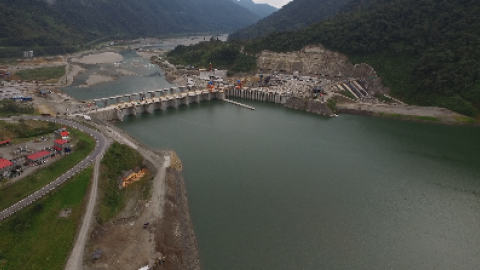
[99, 150]
[75, 260]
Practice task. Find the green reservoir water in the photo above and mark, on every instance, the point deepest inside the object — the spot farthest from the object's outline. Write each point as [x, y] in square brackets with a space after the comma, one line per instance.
[277, 188]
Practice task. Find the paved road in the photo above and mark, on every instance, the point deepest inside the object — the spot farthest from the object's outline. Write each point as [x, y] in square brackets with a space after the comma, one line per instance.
[98, 151]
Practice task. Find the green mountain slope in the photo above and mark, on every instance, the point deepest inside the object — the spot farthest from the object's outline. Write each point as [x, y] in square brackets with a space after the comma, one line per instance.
[66, 24]
[426, 51]
[295, 15]
[262, 10]
[223, 55]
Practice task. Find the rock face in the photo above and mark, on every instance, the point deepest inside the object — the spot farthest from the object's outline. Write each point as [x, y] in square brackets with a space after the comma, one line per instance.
[313, 61]
[308, 105]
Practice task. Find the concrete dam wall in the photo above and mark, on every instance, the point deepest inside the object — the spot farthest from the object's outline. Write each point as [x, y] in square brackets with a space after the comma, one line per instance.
[116, 111]
[139, 103]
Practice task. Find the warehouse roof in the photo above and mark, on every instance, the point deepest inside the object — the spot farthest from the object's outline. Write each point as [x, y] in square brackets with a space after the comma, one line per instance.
[38, 155]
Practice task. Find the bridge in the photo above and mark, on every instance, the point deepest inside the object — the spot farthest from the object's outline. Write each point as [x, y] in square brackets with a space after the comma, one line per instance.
[116, 107]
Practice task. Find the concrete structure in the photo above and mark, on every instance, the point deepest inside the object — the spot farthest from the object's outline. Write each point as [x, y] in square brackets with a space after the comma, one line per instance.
[177, 96]
[159, 99]
[27, 54]
[260, 94]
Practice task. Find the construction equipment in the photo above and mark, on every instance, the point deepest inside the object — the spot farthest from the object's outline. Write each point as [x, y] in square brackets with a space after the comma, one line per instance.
[238, 85]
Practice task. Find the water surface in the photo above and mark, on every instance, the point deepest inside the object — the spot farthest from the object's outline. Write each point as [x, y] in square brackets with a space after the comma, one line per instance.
[277, 188]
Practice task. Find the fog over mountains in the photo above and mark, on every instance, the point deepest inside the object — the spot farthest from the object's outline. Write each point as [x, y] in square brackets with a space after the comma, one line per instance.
[262, 10]
[64, 23]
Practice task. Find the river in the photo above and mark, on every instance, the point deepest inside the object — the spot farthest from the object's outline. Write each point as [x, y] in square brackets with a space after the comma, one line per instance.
[277, 188]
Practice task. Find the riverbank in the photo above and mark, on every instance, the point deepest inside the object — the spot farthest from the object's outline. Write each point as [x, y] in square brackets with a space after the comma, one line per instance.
[170, 232]
[407, 112]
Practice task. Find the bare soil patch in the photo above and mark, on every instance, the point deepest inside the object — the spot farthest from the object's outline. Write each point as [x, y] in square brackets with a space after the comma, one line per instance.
[126, 243]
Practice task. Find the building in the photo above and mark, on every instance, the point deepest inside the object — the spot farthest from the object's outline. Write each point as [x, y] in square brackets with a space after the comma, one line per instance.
[6, 142]
[62, 146]
[39, 157]
[63, 135]
[27, 54]
[5, 167]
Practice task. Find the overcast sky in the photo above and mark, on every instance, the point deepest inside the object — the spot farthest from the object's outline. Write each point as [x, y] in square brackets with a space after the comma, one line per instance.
[275, 3]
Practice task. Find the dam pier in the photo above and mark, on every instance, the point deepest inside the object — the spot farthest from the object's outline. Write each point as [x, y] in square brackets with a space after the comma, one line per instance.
[116, 107]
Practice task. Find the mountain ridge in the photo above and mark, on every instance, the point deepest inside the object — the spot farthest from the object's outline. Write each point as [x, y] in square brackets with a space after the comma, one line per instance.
[293, 16]
[425, 51]
[262, 10]
[62, 25]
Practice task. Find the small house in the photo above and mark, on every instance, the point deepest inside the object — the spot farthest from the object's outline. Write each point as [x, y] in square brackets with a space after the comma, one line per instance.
[62, 146]
[5, 166]
[6, 142]
[64, 135]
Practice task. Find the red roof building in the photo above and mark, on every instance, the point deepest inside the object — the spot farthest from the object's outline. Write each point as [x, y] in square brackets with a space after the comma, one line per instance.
[4, 163]
[64, 134]
[39, 155]
[62, 146]
[61, 141]
[6, 142]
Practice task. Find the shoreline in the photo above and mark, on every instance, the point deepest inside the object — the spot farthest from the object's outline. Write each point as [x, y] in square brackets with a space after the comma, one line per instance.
[434, 115]
[178, 246]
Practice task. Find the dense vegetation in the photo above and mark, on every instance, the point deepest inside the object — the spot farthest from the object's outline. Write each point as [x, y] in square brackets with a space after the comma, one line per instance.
[82, 143]
[222, 55]
[42, 74]
[118, 159]
[262, 10]
[68, 25]
[36, 237]
[426, 51]
[9, 107]
[295, 15]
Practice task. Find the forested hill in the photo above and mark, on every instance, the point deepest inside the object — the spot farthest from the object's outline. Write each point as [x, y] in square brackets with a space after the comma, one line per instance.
[426, 51]
[294, 15]
[35, 24]
[262, 10]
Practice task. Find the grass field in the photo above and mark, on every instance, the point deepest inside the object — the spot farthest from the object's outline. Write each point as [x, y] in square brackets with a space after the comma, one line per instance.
[465, 119]
[42, 74]
[117, 159]
[17, 191]
[36, 237]
[26, 131]
[410, 117]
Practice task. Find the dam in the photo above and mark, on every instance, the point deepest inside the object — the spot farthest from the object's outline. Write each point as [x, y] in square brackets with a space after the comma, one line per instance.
[116, 107]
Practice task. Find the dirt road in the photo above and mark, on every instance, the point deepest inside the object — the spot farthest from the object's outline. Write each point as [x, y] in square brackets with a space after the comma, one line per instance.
[75, 261]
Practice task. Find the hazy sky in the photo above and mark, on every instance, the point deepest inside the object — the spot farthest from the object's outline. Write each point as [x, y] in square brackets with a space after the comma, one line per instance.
[275, 3]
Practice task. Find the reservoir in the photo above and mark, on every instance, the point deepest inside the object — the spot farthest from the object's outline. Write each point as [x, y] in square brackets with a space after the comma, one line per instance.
[277, 188]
